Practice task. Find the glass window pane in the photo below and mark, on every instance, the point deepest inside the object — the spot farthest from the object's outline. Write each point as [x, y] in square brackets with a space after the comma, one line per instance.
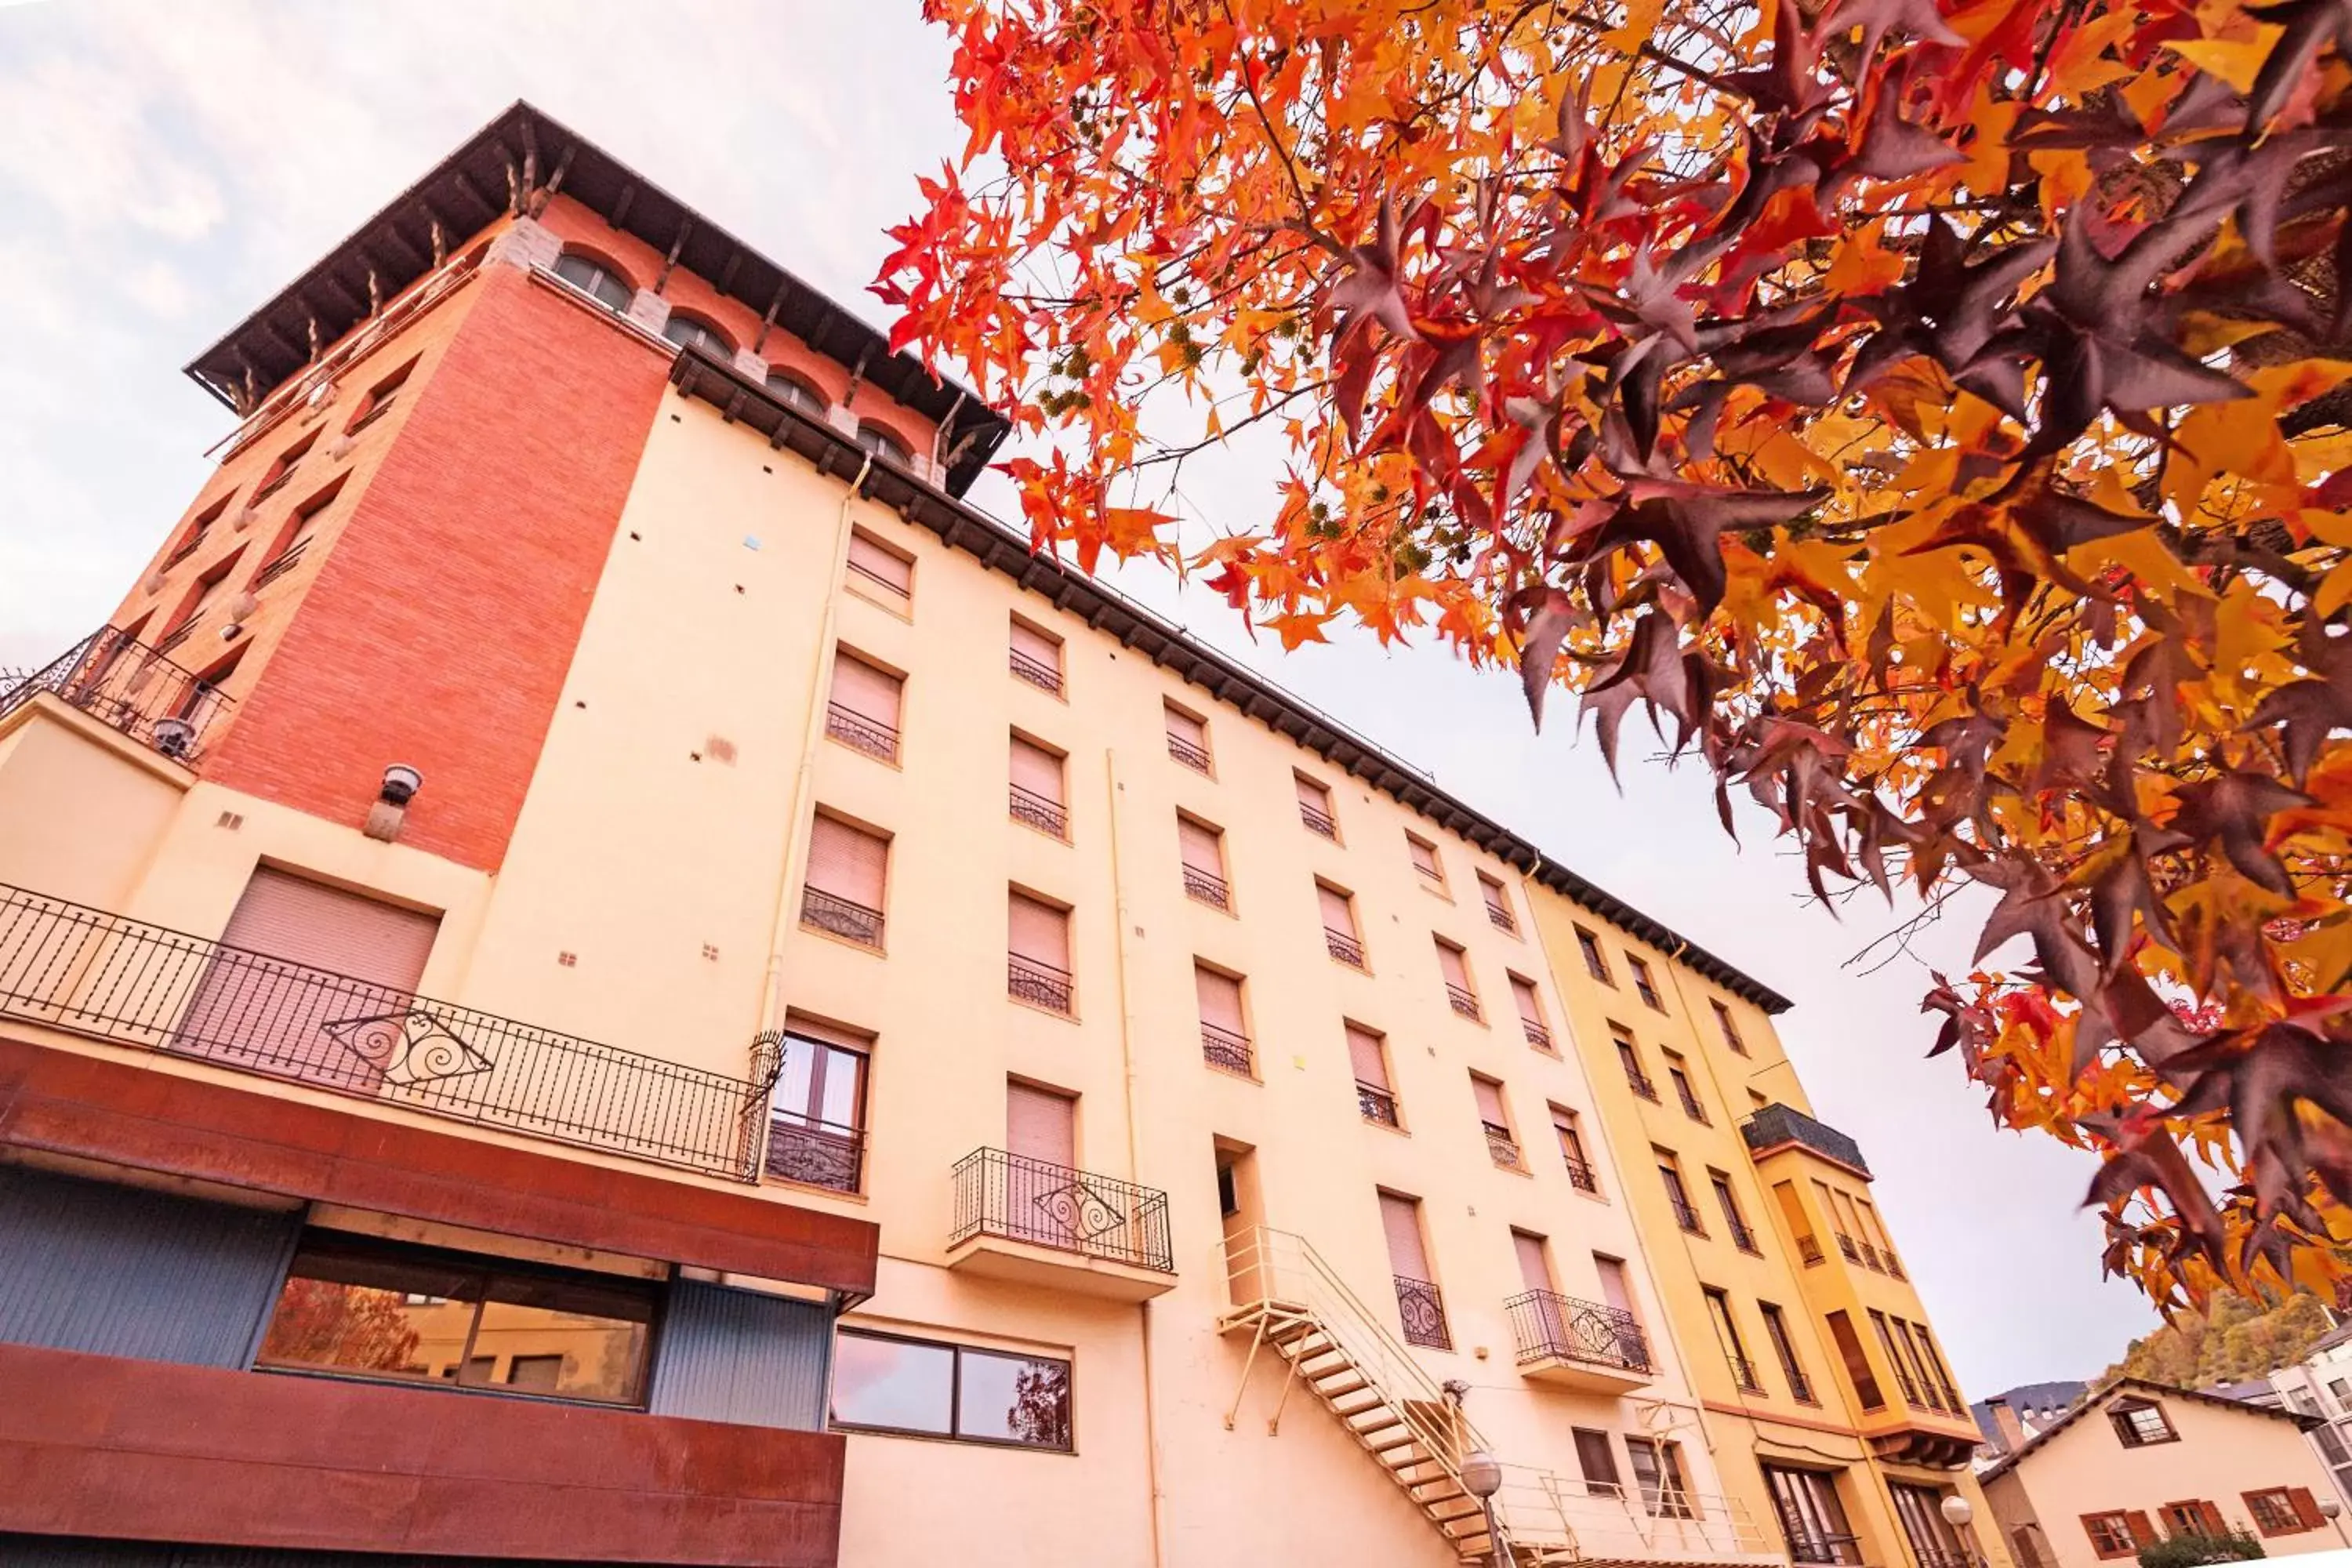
[893, 1384]
[382, 1317]
[579, 1340]
[1015, 1399]
[841, 1072]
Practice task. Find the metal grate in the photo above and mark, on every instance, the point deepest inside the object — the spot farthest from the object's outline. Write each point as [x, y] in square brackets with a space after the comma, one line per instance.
[1046, 816]
[1224, 1048]
[129, 686]
[815, 1153]
[1318, 821]
[1537, 1036]
[1343, 947]
[1464, 1003]
[1036, 672]
[1021, 1199]
[1205, 888]
[1375, 1103]
[858, 732]
[1039, 984]
[1639, 1082]
[1501, 1146]
[1743, 1372]
[1423, 1311]
[1580, 1174]
[1190, 755]
[1549, 1326]
[281, 565]
[821, 911]
[1502, 919]
[1686, 1217]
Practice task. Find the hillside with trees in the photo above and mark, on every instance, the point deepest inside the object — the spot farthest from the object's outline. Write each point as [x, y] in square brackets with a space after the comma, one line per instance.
[2234, 1338]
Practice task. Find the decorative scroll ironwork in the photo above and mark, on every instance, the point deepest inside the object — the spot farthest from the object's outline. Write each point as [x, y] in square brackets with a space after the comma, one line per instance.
[1224, 1048]
[1039, 984]
[815, 1153]
[1846, 1246]
[1022, 1199]
[821, 911]
[1185, 752]
[129, 686]
[1744, 1373]
[1377, 1103]
[1206, 887]
[1423, 1312]
[1318, 821]
[1046, 816]
[1537, 1036]
[1580, 1174]
[1343, 947]
[1870, 1256]
[1501, 918]
[1464, 1003]
[1777, 1124]
[1501, 1147]
[67, 966]
[860, 734]
[1549, 1326]
[1638, 1082]
[1036, 672]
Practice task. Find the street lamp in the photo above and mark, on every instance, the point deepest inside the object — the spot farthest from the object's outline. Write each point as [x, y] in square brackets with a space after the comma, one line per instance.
[2332, 1512]
[1482, 1478]
[1957, 1511]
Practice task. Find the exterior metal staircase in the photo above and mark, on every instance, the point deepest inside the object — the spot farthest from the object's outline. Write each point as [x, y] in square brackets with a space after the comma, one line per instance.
[1302, 1319]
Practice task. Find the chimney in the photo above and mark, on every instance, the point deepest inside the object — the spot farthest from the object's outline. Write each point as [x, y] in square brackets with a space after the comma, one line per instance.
[2005, 1421]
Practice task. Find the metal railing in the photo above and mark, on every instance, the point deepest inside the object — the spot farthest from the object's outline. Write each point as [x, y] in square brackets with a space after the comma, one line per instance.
[1039, 984]
[1846, 1246]
[131, 688]
[843, 918]
[1777, 1124]
[281, 565]
[1318, 821]
[814, 1152]
[1686, 1217]
[71, 967]
[1810, 1249]
[1580, 1174]
[1744, 1373]
[1800, 1387]
[1046, 816]
[1690, 1106]
[1893, 1265]
[186, 547]
[897, 591]
[1423, 1312]
[176, 635]
[1036, 672]
[1464, 1003]
[1549, 1326]
[1538, 1035]
[1375, 1103]
[1502, 920]
[1817, 1546]
[1343, 947]
[1225, 1049]
[1207, 888]
[1185, 752]
[1639, 1082]
[1021, 1199]
[1501, 1147]
[1741, 1236]
[861, 733]
[278, 480]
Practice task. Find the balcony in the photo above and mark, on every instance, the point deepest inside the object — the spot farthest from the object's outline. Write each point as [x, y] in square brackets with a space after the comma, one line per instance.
[1686, 1217]
[97, 974]
[1039, 984]
[1809, 1251]
[1538, 1035]
[1343, 947]
[860, 734]
[1779, 1127]
[815, 1153]
[1375, 1103]
[1225, 1049]
[1421, 1312]
[1579, 1345]
[843, 918]
[1580, 1175]
[1185, 752]
[1846, 1246]
[1207, 888]
[1037, 672]
[1502, 920]
[1050, 817]
[1501, 1147]
[1744, 1374]
[1638, 1082]
[1741, 1236]
[129, 688]
[1318, 821]
[1690, 1106]
[1025, 1220]
[1464, 1003]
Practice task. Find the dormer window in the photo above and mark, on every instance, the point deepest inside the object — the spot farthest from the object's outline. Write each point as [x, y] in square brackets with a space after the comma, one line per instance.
[2139, 1422]
[596, 280]
[882, 444]
[688, 333]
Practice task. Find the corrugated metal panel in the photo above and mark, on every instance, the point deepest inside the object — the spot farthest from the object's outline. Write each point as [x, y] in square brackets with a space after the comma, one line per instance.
[120, 1271]
[742, 1356]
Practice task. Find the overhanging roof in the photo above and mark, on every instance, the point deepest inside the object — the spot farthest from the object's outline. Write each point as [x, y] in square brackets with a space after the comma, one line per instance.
[468, 190]
[964, 527]
[2101, 1398]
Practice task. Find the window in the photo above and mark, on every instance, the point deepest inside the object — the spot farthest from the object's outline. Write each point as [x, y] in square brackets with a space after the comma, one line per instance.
[1531, 1015]
[2283, 1511]
[797, 392]
[2190, 1518]
[2302, 1399]
[283, 469]
[882, 1383]
[816, 1129]
[596, 280]
[1188, 738]
[1037, 962]
[1776, 1329]
[1806, 1502]
[1201, 848]
[1038, 795]
[1595, 962]
[1630, 1058]
[2112, 1535]
[1595, 1458]
[1643, 983]
[842, 893]
[1678, 1074]
[1315, 807]
[1425, 859]
[1036, 656]
[379, 399]
[1726, 1334]
[863, 713]
[693, 332]
[1857, 1365]
[1722, 1021]
[1452, 964]
[1419, 1307]
[362, 1307]
[1678, 1196]
[1339, 926]
[1935, 1543]
[1658, 1471]
[2331, 1447]
[298, 532]
[1041, 1126]
[1909, 1340]
[1901, 1364]
[1734, 1223]
[880, 573]
[2139, 1422]
[1367, 1055]
[2341, 1390]
[1932, 1361]
[1614, 1292]
[1495, 1120]
[1224, 1033]
[1571, 1150]
[881, 443]
[193, 541]
[1499, 905]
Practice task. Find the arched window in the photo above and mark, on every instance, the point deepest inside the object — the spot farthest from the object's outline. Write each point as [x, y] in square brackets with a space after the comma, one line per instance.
[686, 332]
[797, 392]
[596, 280]
[883, 444]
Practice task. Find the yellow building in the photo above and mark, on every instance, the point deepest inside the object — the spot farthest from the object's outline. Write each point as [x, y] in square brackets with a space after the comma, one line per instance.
[650, 985]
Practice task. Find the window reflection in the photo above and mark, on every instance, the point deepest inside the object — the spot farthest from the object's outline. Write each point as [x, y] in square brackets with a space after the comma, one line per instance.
[889, 1385]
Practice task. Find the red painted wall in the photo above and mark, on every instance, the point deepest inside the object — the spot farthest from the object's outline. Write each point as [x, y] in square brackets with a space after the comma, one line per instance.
[439, 629]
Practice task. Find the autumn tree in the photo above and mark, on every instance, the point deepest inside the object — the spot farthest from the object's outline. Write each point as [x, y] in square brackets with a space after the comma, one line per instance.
[1930, 414]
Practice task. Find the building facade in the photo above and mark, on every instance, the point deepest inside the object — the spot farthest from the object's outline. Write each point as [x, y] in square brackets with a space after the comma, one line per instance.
[653, 962]
[2320, 1385]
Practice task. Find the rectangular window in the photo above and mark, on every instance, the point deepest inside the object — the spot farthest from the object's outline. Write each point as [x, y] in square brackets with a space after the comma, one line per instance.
[1315, 807]
[1201, 848]
[1811, 1518]
[1723, 1021]
[1531, 1013]
[295, 543]
[1224, 1034]
[2111, 1534]
[1367, 1055]
[1678, 1196]
[379, 399]
[1726, 1334]
[1535, 1261]
[1894, 1358]
[863, 712]
[1614, 1290]
[1452, 964]
[1928, 1393]
[1932, 1361]
[1776, 1329]
[283, 469]
[883, 1382]
[1571, 1150]
[1188, 738]
[1039, 797]
[2139, 1422]
[1678, 1074]
[194, 539]
[1419, 1307]
[2283, 1511]
[1857, 1365]
[1792, 1210]
[1502, 1144]
[1499, 905]
[1935, 1543]
[1642, 983]
[842, 893]
[1630, 1057]
[1037, 966]
[1595, 962]
[1735, 1222]
[2179, 1518]
[816, 1127]
[880, 573]
[1424, 858]
[1658, 1471]
[1036, 656]
[1597, 1461]
[362, 1307]
[1340, 937]
[1040, 1124]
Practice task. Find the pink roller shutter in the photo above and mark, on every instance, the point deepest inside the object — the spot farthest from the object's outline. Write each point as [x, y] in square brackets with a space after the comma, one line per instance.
[1039, 933]
[893, 571]
[1040, 1124]
[1449, 962]
[1028, 641]
[1401, 1219]
[1424, 856]
[1037, 770]
[1530, 1009]
[307, 959]
[866, 692]
[1612, 1283]
[847, 862]
[1186, 728]
[1221, 999]
[1201, 846]
[1337, 915]
[1313, 796]
[1489, 1095]
[1364, 1054]
[1534, 1270]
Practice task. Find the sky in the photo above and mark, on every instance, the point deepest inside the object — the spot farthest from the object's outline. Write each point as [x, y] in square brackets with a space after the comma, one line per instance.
[166, 167]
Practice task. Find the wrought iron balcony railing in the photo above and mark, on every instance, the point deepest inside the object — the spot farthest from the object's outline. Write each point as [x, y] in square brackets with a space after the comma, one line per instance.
[85, 970]
[1185, 752]
[861, 733]
[1318, 821]
[1343, 947]
[1502, 920]
[1224, 1048]
[1549, 1326]
[1639, 1082]
[1020, 1199]
[1375, 1103]
[1810, 1249]
[817, 1153]
[1686, 1217]
[1741, 1236]
[1464, 1003]
[1501, 1147]
[1690, 1106]
[1580, 1174]
[1039, 984]
[1036, 672]
[1870, 1256]
[1777, 1124]
[1423, 1312]
[129, 686]
[1538, 1035]
[1207, 888]
[1817, 1547]
[1045, 815]
[837, 916]
[1744, 1373]
[1846, 1245]
[1800, 1387]
[1894, 1264]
